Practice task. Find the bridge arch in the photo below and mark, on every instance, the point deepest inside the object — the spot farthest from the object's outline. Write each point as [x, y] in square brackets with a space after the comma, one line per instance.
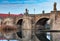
[19, 23]
[40, 17]
[40, 25]
[8, 20]
[17, 19]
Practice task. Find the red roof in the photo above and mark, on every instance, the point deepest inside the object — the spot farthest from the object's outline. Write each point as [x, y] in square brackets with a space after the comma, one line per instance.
[6, 15]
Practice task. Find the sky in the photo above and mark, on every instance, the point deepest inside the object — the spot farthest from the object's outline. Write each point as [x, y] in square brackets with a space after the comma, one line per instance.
[33, 6]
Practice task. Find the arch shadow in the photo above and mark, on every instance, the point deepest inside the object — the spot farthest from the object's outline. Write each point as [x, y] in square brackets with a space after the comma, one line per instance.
[19, 34]
[40, 25]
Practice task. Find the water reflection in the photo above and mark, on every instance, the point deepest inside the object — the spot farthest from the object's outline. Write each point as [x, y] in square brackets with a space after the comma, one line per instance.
[47, 26]
[14, 40]
[3, 40]
[48, 36]
[9, 40]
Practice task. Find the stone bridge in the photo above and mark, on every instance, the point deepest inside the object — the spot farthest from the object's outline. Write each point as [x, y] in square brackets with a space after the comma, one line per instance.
[30, 24]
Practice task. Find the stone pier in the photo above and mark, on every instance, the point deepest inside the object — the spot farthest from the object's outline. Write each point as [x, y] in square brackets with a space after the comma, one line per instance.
[26, 28]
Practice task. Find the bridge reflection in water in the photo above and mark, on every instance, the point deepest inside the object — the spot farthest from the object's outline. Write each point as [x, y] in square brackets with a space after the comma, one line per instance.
[9, 40]
[40, 25]
[42, 30]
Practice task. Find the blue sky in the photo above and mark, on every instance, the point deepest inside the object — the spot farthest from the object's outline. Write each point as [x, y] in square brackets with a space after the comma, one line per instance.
[19, 6]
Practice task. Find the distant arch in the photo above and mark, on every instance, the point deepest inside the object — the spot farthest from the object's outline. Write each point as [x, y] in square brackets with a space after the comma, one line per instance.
[8, 20]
